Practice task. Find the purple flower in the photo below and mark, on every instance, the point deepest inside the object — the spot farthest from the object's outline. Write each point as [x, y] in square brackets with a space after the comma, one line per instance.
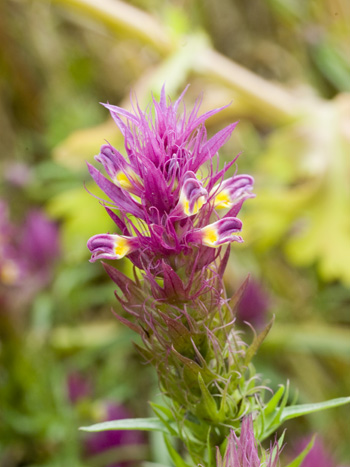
[28, 252]
[78, 387]
[39, 242]
[107, 246]
[242, 451]
[166, 189]
[98, 443]
[12, 264]
[18, 174]
[318, 455]
[253, 305]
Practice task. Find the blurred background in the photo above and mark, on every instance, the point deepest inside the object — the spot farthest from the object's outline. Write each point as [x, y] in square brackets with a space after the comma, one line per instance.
[285, 67]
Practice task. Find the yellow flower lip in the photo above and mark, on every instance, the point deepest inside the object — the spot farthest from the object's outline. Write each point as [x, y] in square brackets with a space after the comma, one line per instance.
[222, 200]
[122, 247]
[220, 232]
[107, 246]
[123, 181]
[210, 235]
[128, 180]
[192, 196]
[196, 206]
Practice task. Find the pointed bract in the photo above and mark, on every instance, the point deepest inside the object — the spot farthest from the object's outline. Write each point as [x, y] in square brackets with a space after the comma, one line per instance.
[243, 451]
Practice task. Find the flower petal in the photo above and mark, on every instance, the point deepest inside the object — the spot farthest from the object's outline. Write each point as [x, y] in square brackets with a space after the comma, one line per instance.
[192, 197]
[232, 191]
[218, 233]
[107, 246]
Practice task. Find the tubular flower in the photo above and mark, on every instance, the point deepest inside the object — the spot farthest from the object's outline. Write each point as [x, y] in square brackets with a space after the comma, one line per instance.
[105, 246]
[242, 451]
[166, 189]
[218, 233]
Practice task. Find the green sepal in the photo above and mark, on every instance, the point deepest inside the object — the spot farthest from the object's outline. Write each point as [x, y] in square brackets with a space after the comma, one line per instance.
[191, 370]
[179, 335]
[166, 417]
[144, 352]
[274, 401]
[208, 403]
[269, 418]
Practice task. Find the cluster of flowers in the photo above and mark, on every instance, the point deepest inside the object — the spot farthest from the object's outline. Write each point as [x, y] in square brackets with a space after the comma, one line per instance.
[168, 204]
[175, 210]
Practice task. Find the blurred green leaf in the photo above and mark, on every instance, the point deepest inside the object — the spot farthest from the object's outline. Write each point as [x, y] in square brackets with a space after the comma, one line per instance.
[298, 410]
[82, 217]
[305, 192]
[333, 64]
[143, 424]
[318, 338]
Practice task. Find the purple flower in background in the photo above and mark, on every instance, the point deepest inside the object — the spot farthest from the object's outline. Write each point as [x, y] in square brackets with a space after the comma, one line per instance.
[28, 252]
[17, 174]
[39, 243]
[97, 443]
[167, 188]
[254, 304]
[12, 266]
[78, 387]
[81, 389]
[242, 451]
[318, 455]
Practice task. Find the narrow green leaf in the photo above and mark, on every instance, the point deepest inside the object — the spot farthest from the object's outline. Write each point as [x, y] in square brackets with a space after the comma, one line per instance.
[298, 410]
[211, 456]
[165, 410]
[164, 414]
[208, 401]
[273, 420]
[143, 424]
[298, 460]
[273, 402]
[222, 409]
[193, 369]
[258, 340]
[284, 401]
[175, 456]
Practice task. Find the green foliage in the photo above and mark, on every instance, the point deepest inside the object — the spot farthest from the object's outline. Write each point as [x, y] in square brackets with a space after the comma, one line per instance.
[58, 61]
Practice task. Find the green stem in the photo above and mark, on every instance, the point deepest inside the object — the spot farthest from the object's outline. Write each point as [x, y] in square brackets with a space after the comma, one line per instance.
[123, 18]
[266, 99]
